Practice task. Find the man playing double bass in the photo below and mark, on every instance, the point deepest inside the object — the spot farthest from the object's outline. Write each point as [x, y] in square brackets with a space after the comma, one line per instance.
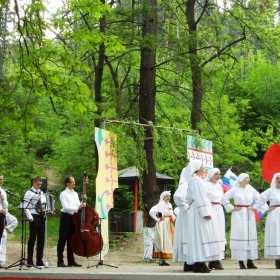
[70, 204]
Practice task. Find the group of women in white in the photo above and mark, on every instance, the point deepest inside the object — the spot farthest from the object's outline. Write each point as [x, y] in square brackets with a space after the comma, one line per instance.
[199, 234]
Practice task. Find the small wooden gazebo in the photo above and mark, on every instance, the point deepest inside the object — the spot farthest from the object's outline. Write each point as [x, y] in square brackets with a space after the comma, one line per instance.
[129, 176]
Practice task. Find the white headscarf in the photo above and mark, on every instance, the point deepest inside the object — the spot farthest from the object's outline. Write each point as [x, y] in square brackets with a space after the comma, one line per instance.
[211, 173]
[273, 181]
[190, 170]
[163, 194]
[240, 178]
[183, 177]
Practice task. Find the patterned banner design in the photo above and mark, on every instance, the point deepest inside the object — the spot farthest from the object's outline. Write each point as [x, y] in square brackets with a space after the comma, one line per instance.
[106, 180]
[204, 153]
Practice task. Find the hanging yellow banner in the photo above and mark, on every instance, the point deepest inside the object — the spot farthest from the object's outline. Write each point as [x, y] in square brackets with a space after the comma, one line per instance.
[106, 180]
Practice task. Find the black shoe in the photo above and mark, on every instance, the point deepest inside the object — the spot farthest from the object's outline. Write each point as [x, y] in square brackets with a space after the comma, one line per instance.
[242, 265]
[204, 268]
[250, 264]
[277, 264]
[188, 267]
[200, 267]
[74, 264]
[30, 264]
[216, 264]
[61, 265]
[40, 264]
[161, 264]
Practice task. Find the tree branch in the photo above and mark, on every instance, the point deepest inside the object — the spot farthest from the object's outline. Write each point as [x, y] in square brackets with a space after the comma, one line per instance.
[221, 51]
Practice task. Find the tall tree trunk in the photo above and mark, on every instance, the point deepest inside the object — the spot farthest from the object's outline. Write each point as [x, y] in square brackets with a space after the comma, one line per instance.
[4, 10]
[194, 63]
[147, 98]
[98, 79]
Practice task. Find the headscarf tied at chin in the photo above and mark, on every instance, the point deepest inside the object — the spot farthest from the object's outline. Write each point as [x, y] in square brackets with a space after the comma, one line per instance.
[273, 181]
[163, 194]
[211, 173]
[240, 178]
[192, 167]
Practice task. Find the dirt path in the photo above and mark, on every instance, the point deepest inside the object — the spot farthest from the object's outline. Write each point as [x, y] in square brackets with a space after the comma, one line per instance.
[127, 252]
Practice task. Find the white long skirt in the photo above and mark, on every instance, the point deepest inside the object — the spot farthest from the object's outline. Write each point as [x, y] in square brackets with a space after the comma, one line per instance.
[218, 220]
[243, 235]
[181, 237]
[272, 235]
[163, 242]
[203, 244]
[3, 248]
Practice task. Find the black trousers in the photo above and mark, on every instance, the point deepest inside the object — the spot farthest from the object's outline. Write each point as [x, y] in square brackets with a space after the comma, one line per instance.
[36, 231]
[2, 225]
[66, 230]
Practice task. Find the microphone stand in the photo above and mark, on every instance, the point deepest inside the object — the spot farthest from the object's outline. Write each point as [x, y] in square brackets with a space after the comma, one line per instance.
[100, 262]
[46, 245]
[23, 260]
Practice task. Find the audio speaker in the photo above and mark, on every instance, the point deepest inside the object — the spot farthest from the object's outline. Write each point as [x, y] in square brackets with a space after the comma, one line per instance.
[44, 187]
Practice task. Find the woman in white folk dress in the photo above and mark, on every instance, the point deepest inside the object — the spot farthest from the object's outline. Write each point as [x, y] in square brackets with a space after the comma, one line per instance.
[163, 214]
[181, 237]
[214, 192]
[272, 223]
[202, 236]
[243, 233]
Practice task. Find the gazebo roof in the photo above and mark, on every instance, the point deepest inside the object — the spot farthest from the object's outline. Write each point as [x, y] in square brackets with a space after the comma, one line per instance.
[131, 173]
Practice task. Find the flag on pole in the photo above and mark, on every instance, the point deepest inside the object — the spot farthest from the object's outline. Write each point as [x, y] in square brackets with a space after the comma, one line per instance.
[229, 178]
[225, 187]
[261, 212]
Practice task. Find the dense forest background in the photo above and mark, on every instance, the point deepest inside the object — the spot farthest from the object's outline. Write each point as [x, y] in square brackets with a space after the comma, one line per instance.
[203, 68]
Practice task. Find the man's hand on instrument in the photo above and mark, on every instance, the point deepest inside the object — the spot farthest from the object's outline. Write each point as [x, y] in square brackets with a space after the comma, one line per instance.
[84, 196]
[82, 205]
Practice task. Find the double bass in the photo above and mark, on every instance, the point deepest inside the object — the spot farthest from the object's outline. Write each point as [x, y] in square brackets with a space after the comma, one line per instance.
[87, 240]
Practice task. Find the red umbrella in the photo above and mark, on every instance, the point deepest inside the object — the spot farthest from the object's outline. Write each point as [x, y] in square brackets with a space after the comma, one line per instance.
[271, 162]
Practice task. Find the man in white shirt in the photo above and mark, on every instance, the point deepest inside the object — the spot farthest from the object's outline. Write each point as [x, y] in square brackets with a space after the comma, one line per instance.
[70, 204]
[36, 224]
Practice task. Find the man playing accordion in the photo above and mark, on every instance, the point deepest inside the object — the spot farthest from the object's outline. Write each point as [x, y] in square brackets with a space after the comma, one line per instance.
[36, 218]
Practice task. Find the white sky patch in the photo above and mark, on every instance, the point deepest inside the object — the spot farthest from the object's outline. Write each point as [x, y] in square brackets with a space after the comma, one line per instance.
[51, 5]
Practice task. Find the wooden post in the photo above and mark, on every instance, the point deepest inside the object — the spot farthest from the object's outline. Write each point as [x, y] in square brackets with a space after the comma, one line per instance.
[136, 188]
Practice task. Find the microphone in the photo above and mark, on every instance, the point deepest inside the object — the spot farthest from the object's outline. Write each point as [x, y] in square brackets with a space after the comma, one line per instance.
[10, 193]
